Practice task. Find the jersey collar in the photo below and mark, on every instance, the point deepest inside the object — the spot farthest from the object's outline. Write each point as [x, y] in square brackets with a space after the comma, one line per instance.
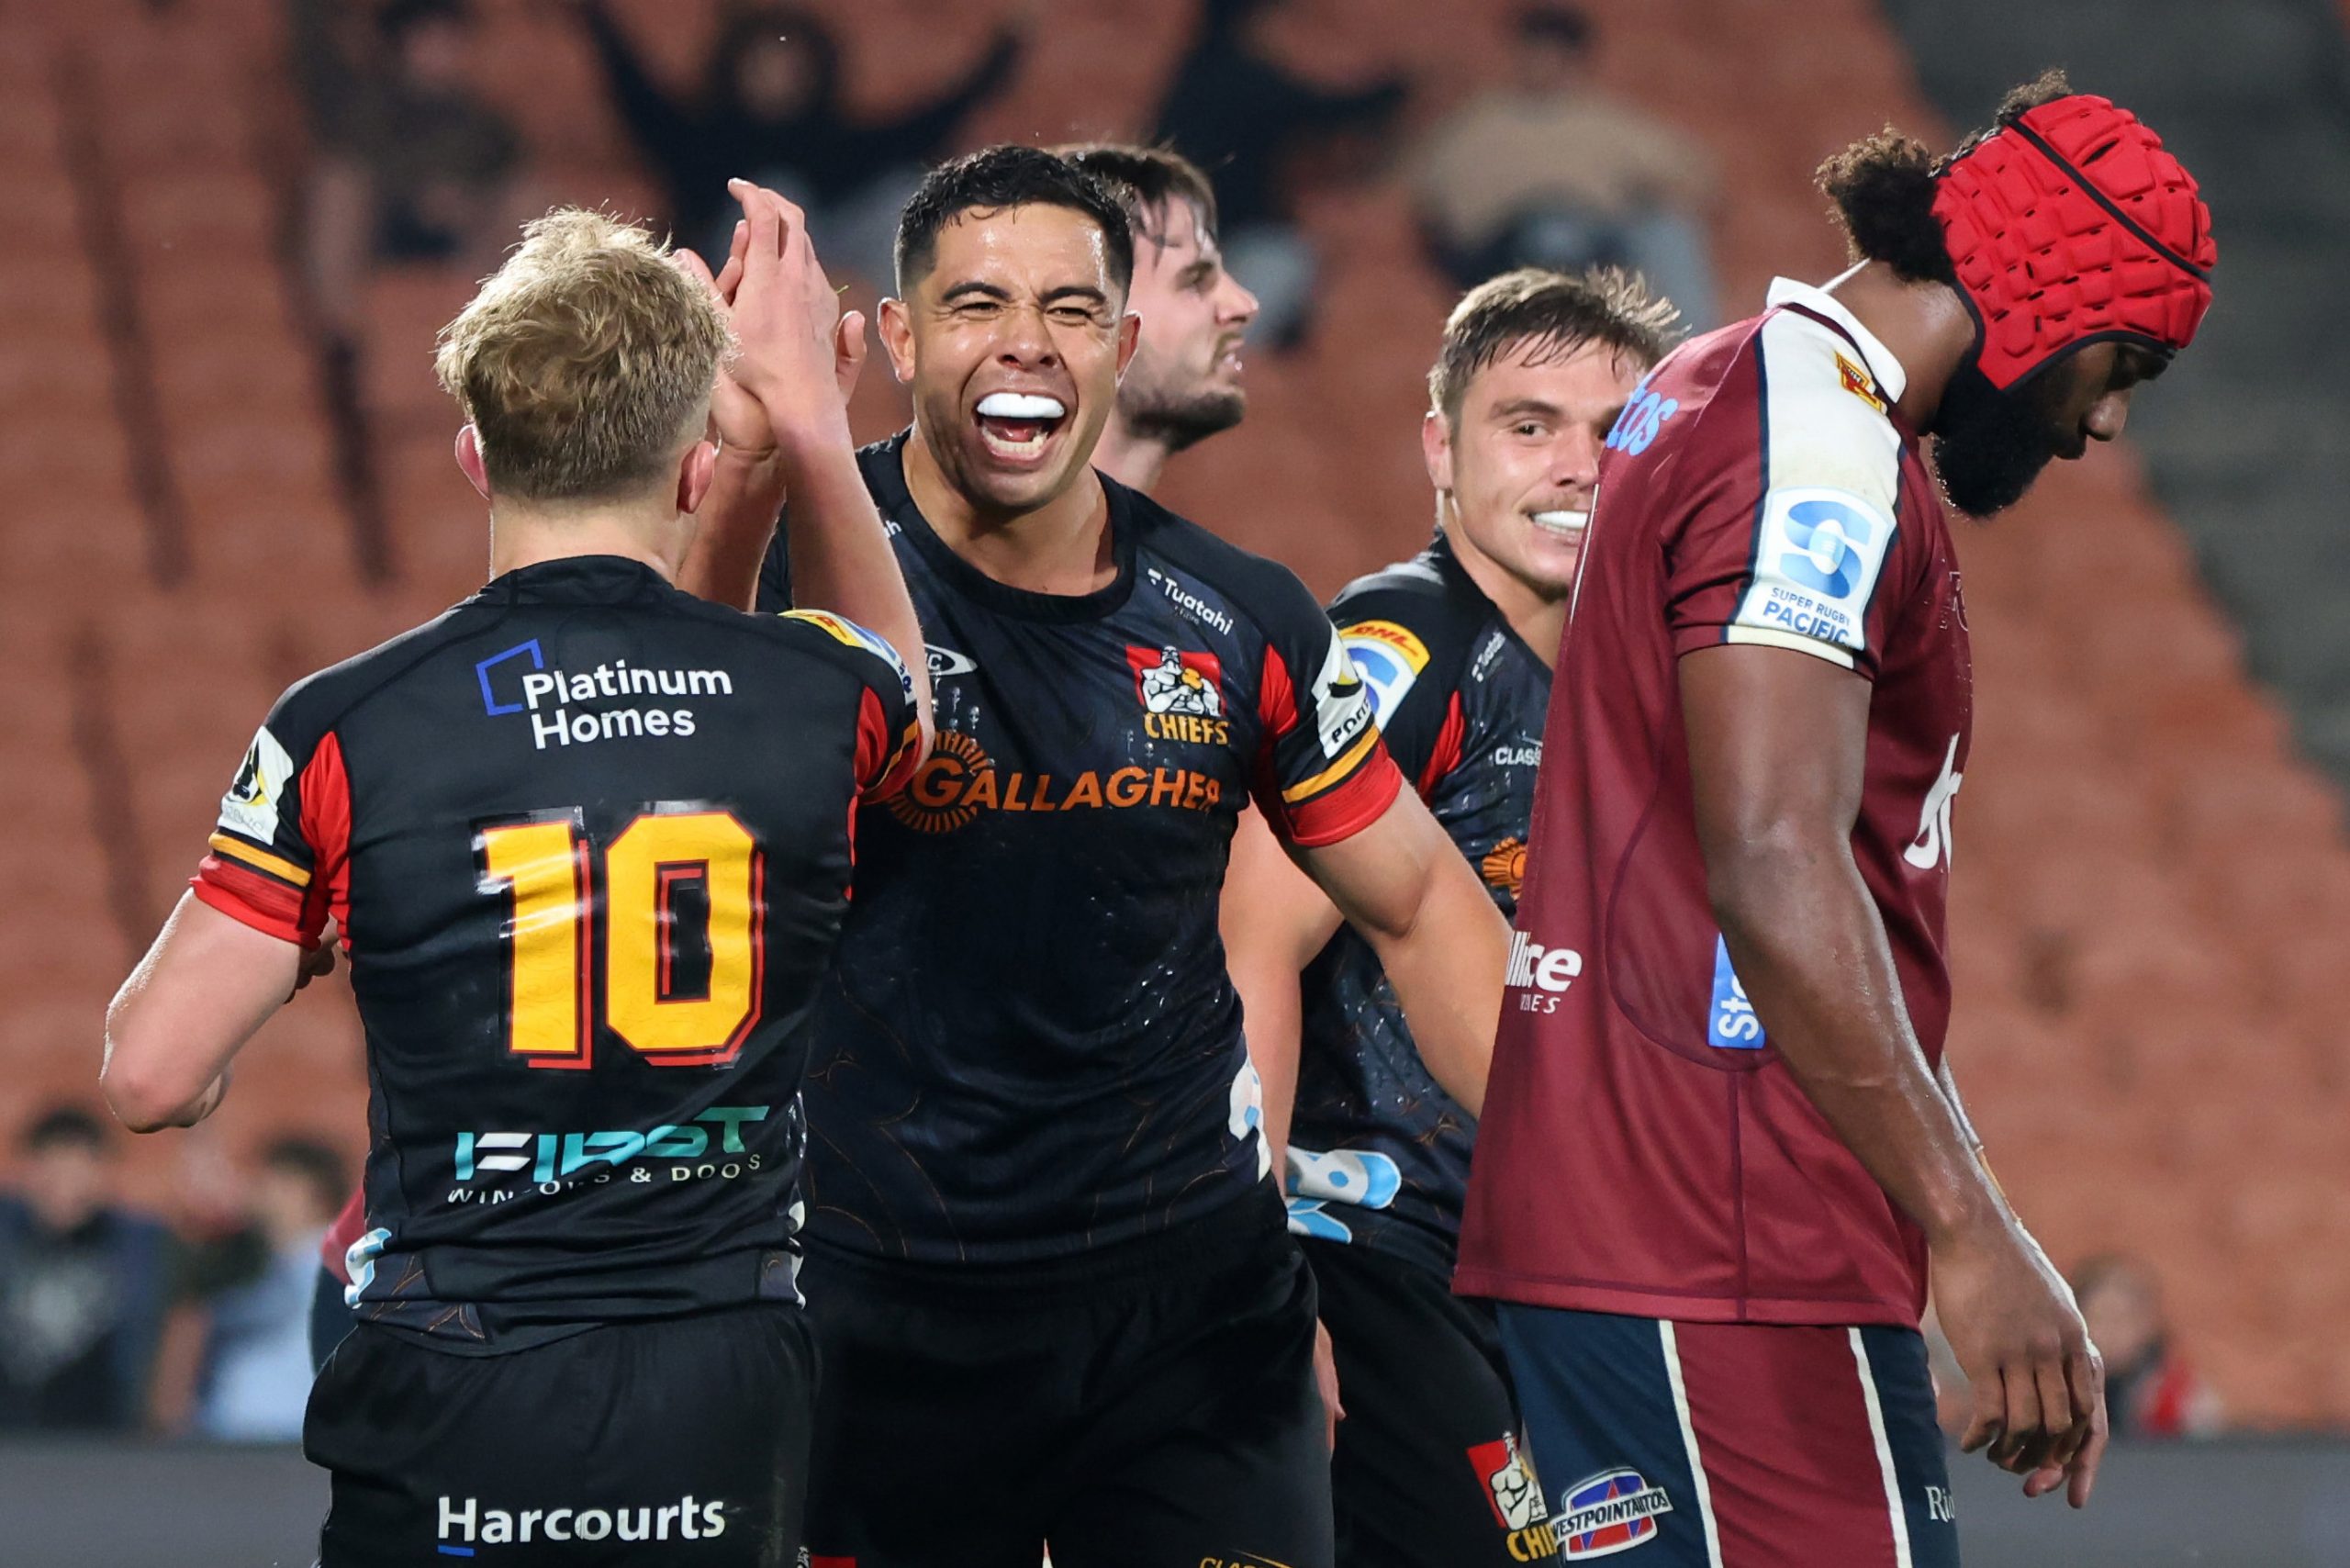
[576, 579]
[1891, 378]
[887, 475]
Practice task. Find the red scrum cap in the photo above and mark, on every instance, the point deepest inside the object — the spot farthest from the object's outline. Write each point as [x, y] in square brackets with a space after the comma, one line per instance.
[2070, 224]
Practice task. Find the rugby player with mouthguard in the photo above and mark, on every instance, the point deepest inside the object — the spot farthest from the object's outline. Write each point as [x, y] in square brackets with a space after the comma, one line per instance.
[1723, 1149]
[1058, 1301]
[588, 839]
[1455, 646]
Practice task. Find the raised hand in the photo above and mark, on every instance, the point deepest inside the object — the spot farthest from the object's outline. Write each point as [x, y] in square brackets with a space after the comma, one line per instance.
[799, 356]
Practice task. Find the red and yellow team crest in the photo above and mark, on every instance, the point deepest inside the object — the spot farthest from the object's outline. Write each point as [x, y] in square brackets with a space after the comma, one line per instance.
[1860, 383]
[1504, 865]
[1181, 693]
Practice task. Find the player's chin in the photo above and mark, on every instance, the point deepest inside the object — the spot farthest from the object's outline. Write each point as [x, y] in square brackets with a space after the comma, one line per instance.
[1548, 555]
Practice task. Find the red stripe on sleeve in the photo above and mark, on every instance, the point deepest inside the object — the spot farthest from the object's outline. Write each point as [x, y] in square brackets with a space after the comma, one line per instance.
[885, 763]
[244, 895]
[1447, 755]
[1344, 811]
[1276, 695]
[326, 825]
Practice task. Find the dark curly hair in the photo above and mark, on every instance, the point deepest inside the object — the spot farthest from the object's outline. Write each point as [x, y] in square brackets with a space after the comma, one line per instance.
[1881, 189]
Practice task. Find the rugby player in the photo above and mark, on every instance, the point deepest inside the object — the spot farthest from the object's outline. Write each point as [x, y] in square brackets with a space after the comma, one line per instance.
[1455, 646]
[588, 839]
[1184, 382]
[1055, 1297]
[1723, 1149]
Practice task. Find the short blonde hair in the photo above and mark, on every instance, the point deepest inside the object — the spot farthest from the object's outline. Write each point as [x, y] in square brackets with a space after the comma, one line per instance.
[585, 363]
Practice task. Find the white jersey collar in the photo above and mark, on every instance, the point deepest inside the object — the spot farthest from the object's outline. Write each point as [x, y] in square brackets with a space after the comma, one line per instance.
[1891, 378]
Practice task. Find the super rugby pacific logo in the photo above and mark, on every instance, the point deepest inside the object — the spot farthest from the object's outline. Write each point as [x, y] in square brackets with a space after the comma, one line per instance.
[1612, 1511]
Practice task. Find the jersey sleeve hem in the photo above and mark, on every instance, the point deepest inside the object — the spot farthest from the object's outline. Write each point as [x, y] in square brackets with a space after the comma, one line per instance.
[1339, 814]
[1690, 639]
[214, 891]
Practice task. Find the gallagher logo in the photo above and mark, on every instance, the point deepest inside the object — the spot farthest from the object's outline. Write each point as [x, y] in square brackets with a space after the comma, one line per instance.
[1182, 694]
[1504, 865]
[1612, 1511]
[958, 781]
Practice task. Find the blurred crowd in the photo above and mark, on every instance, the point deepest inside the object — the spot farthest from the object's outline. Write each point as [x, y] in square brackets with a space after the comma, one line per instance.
[115, 1320]
[411, 162]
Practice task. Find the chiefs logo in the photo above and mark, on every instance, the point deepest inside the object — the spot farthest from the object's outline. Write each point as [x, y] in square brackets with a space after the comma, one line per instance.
[1504, 865]
[938, 799]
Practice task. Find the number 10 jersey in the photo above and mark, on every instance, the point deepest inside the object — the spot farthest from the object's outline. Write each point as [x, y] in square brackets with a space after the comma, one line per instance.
[588, 840]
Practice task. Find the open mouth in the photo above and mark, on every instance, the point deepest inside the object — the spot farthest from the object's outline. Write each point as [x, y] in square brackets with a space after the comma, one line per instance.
[1015, 427]
[1567, 525]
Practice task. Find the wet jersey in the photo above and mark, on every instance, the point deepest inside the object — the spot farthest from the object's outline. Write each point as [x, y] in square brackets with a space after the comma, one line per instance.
[1644, 1149]
[1030, 1046]
[1379, 1153]
[588, 840]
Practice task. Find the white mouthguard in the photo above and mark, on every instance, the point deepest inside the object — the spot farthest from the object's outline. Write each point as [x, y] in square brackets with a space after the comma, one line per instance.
[1019, 406]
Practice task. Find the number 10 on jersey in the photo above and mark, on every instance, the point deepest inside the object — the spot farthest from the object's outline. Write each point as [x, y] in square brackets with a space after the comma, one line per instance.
[560, 891]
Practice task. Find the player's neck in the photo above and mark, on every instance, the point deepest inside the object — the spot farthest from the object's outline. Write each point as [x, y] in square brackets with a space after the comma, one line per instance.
[1134, 461]
[1539, 619]
[1923, 325]
[1060, 548]
[521, 536]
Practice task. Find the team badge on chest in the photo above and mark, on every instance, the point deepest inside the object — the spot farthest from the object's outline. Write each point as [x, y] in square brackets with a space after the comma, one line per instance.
[1181, 693]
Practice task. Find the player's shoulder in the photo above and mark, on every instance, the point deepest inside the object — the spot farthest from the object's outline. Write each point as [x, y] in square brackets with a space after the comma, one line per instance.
[325, 699]
[1414, 616]
[1826, 419]
[837, 640]
[1175, 557]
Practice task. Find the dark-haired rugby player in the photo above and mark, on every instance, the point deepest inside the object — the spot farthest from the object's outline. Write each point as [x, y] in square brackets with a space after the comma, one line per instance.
[1060, 1303]
[1183, 383]
[1722, 1151]
[1455, 645]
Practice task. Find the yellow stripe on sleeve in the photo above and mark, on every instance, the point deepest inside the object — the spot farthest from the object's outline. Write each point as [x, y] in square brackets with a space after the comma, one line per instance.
[1335, 771]
[260, 859]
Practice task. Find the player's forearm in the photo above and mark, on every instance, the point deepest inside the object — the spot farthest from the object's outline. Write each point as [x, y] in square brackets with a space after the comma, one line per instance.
[738, 521]
[1448, 965]
[1810, 947]
[1273, 1015]
[201, 992]
[841, 558]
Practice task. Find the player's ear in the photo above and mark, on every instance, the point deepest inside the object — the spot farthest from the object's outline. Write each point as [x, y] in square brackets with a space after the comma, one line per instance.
[898, 340]
[469, 461]
[694, 473]
[1436, 448]
[1129, 335]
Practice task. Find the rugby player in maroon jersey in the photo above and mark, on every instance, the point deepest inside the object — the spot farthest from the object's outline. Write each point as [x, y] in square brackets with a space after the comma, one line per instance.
[1722, 1146]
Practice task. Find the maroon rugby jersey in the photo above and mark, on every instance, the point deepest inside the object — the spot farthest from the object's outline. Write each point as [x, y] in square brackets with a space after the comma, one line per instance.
[1643, 1149]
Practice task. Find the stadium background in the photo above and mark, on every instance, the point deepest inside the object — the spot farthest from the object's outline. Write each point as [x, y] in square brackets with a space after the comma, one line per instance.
[2152, 896]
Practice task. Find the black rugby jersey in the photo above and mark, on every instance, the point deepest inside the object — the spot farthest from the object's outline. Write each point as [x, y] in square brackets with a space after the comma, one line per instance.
[1379, 1153]
[1030, 1046]
[588, 840]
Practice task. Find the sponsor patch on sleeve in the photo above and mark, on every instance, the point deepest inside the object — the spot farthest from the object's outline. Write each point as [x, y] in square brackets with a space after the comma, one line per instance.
[1816, 558]
[850, 634]
[1342, 712]
[1388, 659]
[250, 805]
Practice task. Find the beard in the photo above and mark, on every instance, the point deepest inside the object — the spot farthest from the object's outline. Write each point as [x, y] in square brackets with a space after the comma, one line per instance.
[1990, 445]
[1176, 417]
